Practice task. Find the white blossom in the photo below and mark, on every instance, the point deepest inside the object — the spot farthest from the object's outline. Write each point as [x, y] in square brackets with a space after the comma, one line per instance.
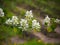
[29, 14]
[57, 20]
[13, 21]
[47, 20]
[8, 21]
[35, 24]
[24, 24]
[1, 12]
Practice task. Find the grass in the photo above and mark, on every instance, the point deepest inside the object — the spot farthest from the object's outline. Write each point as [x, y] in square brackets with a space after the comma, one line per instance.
[34, 42]
[37, 42]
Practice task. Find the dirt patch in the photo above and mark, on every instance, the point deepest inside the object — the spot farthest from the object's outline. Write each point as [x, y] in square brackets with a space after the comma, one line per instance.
[17, 40]
[45, 38]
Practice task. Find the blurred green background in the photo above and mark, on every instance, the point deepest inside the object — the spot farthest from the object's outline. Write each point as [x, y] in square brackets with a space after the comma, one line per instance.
[50, 7]
[19, 7]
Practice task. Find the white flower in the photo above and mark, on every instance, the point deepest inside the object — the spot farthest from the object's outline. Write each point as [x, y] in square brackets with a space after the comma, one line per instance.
[35, 24]
[29, 14]
[47, 20]
[57, 20]
[15, 20]
[14, 17]
[26, 27]
[1, 12]
[24, 24]
[8, 21]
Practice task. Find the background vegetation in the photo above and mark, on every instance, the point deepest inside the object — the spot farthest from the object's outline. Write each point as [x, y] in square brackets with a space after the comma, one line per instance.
[19, 7]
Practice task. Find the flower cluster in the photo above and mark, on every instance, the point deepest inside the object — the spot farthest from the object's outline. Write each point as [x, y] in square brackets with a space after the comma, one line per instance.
[51, 23]
[46, 21]
[13, 21]
[28, 23]
[24, 24]
[29, 15]
[35, 25]
[1, 12]
[57, 20]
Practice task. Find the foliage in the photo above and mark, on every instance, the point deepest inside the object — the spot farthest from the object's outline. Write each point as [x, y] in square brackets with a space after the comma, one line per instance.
[29, 23]
[37, 42]
[14, 23]
[5, 30]
[50, 23]
[50, 7]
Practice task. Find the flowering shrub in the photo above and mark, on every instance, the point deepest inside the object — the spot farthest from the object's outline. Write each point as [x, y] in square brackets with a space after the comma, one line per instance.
[50, 23]
[29, 23]
[26, 24]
